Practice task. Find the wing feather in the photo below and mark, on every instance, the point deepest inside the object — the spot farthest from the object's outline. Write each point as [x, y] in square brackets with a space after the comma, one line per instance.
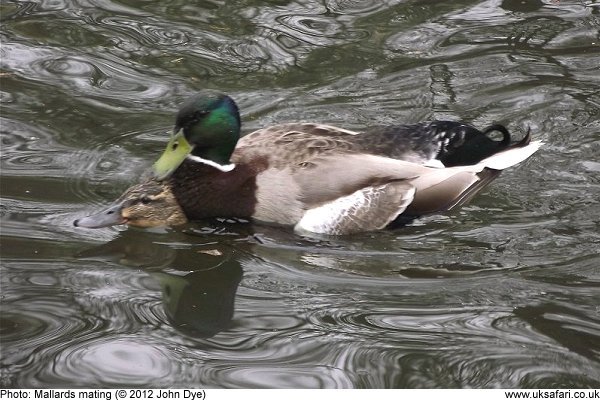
[370, 208]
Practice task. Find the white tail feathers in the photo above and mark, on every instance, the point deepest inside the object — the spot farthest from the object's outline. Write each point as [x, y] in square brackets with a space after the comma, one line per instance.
[511, 156]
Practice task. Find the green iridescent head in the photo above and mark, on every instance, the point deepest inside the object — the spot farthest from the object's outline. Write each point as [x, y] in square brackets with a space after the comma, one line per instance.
[207, 126]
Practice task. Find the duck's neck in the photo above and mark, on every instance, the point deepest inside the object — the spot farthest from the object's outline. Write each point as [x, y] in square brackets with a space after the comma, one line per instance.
[204, 191]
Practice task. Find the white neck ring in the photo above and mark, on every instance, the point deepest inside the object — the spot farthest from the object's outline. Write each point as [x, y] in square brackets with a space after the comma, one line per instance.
[223, 168]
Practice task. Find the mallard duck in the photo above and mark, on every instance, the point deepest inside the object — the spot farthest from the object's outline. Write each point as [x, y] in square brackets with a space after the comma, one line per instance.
[317, 178]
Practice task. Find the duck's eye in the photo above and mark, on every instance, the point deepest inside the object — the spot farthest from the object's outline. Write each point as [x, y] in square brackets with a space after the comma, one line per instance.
[175, 145]
[145, 200]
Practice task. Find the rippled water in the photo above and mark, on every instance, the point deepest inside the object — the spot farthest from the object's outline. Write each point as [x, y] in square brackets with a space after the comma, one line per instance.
[501, 293]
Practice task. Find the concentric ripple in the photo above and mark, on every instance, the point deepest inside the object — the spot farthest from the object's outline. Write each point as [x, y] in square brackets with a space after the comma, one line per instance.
[113, 360]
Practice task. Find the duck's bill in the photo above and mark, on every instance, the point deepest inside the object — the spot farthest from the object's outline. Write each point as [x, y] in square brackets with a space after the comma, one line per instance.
[109, 217]
[177, 150]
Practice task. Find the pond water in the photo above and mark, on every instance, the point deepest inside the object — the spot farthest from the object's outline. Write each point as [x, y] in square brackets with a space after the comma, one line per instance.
[504, 292]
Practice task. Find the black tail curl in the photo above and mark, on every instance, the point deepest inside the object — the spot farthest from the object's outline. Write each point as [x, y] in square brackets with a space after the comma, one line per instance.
[471, 145]
[499, 128]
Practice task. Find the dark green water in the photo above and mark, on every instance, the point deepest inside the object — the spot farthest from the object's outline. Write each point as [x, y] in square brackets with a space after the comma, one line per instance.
[504, 292]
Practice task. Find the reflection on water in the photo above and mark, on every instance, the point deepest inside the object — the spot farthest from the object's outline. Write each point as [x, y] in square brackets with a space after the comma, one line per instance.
[501, 293]
[198, 288]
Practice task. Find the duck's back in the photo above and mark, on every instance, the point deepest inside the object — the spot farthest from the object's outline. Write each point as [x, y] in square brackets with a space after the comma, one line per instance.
[451, 143]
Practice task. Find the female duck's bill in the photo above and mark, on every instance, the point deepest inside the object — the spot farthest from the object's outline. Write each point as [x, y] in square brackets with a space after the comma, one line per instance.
[111, 216]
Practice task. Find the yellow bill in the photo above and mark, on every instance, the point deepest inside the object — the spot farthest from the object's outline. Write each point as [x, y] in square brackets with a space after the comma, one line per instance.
[177, 150]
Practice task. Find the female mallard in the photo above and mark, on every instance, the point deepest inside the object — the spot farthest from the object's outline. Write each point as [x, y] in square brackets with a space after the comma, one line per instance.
[318, 178]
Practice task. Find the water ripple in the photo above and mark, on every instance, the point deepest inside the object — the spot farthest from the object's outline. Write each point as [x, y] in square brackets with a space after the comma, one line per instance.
[101, 361]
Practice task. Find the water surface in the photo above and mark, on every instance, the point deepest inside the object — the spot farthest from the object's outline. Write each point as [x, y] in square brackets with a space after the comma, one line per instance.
[501, 293]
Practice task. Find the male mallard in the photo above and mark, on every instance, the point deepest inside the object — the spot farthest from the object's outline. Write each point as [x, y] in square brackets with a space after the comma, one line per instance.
[318, 178]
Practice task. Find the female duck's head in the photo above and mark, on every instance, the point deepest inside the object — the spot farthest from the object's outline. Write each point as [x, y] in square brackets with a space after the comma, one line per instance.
[207, 129]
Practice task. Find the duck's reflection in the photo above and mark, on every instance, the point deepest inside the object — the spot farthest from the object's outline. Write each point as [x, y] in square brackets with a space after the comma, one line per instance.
[198, 280]
[201, 303]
